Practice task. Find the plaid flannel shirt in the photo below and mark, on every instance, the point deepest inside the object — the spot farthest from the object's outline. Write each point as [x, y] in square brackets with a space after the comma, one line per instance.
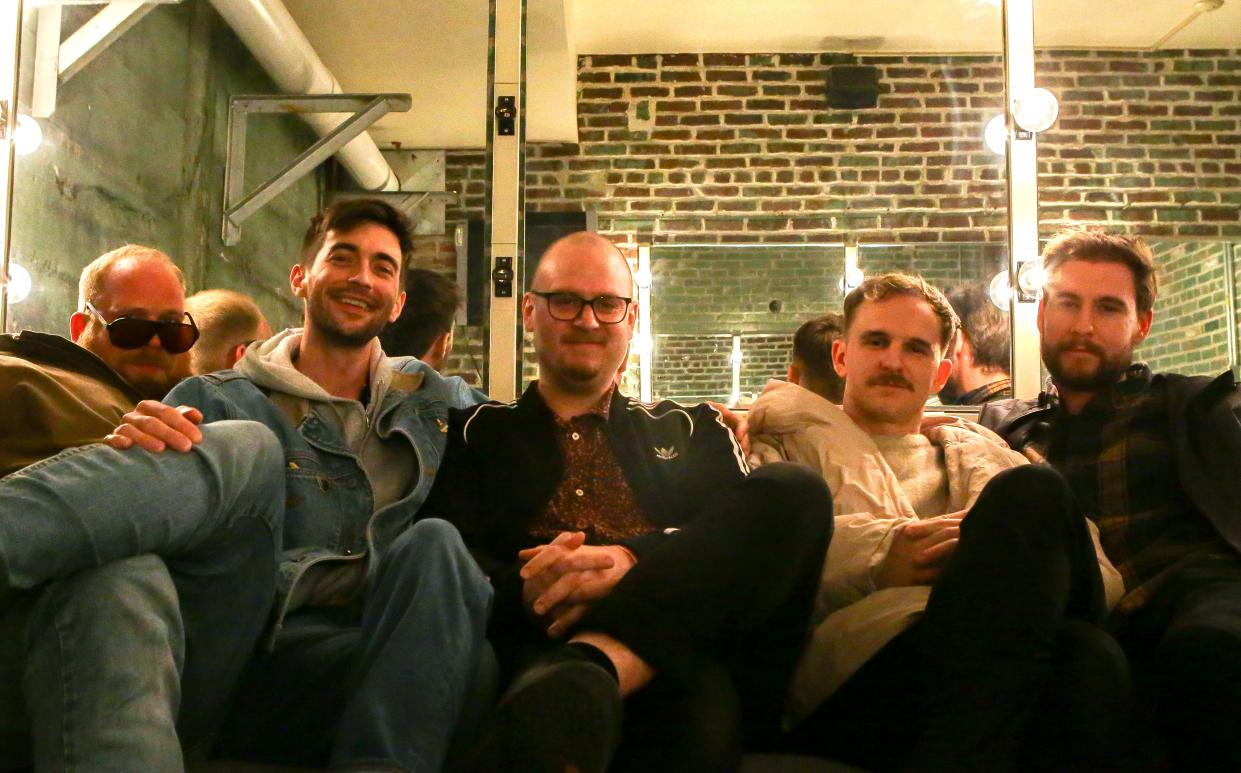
[1118, 459]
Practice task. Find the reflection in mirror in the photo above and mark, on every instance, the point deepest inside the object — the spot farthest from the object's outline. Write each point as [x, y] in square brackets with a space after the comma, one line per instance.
[748, 143]
[136, 141]
[1147, 144]
[724, 315]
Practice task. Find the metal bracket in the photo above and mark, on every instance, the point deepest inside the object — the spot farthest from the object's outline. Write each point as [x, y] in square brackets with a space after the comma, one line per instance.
[56, 61]
[366, 109]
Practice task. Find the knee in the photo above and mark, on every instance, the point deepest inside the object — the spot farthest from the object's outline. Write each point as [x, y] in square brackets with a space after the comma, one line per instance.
[1089, 658]
[247, 448]
[1197, 655]
[1031, 497]
[434, 547]
[794, 500]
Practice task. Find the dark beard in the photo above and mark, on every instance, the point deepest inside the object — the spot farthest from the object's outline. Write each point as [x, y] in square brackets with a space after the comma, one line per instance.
[1106, 373]
[332, 333]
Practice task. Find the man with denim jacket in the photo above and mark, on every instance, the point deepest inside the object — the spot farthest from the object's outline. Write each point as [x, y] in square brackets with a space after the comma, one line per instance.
[379, 622]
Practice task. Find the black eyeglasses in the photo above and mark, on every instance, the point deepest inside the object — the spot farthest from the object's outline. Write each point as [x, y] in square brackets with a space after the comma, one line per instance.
[133, 333]
[566, 307]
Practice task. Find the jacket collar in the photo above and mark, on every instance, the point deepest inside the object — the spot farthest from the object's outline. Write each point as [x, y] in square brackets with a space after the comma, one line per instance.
[58, 351]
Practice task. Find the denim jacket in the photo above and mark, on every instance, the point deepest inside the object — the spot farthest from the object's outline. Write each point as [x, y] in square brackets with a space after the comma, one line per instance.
[329, 515]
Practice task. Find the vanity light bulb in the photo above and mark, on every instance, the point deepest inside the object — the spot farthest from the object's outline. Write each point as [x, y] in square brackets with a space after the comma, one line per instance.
[642, 343]
[1036, 111]
[999, 291]
[27, 136]
[996, 135]
[18, 284]
[643, 278]
[1031, 277]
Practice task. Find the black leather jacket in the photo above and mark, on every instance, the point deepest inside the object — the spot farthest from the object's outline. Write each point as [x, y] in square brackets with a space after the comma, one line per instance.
[1204, 423]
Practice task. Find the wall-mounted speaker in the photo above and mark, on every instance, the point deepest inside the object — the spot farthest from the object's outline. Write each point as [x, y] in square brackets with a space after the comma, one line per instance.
[852, 86]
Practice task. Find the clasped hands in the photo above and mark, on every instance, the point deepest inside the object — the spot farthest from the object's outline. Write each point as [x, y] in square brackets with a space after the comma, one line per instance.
[561, 579]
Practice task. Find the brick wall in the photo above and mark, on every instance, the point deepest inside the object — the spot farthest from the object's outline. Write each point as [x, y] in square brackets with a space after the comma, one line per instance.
[1189, 334]
[741, 148]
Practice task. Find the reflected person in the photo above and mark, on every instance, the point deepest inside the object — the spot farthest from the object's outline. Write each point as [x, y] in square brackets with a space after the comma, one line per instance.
[980, 351]
[228, 321]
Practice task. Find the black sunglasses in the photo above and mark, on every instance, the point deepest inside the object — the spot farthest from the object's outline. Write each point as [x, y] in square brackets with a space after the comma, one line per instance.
[133, 333]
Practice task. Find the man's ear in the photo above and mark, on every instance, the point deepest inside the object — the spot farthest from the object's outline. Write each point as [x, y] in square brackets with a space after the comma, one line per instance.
[231, 358]
[77, 325]
[794, 374]
[527, 311]
[1144, 326]
[941, 375]
[838, 357]
[396, 307]
[297, 280]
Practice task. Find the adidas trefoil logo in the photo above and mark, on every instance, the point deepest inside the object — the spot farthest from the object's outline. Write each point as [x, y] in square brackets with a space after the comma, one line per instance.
[666, 454]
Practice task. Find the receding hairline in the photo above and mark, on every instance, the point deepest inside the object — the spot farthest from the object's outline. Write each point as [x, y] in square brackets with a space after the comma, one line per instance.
[576, 240]
[95, 274]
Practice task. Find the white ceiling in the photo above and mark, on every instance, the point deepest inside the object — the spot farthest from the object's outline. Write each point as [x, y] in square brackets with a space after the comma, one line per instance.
[437, 51]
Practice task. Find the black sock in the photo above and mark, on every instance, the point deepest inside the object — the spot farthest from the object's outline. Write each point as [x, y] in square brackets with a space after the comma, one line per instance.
[594, 655]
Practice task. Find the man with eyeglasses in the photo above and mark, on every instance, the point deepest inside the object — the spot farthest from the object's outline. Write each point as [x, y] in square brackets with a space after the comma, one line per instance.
[113, 657]
[682, 584]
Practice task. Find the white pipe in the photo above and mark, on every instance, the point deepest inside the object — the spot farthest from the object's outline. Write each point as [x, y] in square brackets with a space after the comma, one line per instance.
[281, 47]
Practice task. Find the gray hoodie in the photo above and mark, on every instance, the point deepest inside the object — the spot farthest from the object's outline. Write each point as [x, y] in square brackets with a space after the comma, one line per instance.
[389, 463]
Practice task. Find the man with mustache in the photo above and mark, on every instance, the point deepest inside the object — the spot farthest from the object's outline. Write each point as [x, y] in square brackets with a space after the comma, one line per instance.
[379, 632]
[682, 584]
[1152, 459]
[961, 584]
[125, 617]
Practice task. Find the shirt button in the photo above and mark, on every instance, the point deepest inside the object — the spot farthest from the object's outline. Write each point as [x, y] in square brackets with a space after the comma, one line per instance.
[580, 493]
[576, 436]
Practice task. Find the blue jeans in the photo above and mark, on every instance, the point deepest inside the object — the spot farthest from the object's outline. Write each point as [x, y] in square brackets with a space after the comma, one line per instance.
[127, 571]
[383, 692]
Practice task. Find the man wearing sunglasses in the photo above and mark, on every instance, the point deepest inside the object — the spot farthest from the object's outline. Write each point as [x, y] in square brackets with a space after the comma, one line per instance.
[125, 613]
[635, 532]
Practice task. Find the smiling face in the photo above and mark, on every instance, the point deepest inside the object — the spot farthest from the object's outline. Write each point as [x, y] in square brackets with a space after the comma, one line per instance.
[352, 286]
[581, 356]
[892, 359]
[1089, 323]
[143, 288]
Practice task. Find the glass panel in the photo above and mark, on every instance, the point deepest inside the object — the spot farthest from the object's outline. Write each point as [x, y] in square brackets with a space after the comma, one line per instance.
[136, 147]
[709, 302]
[1190, 332]
[724, 135]
[1146, 144]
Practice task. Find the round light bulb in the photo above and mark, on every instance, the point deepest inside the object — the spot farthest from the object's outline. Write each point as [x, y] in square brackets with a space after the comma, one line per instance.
[643, 278]
[999, 291]
[27, 136]
[642, 343]
[996, 135]
[851, 280]
[1036, 111]
[1031, 277]
[18, 284]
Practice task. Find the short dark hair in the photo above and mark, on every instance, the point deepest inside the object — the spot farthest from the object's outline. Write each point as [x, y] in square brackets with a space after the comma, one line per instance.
[880, 288]
[346, 214]
[1098, 246]
[983, 325]
[431, 303]
[812, 352]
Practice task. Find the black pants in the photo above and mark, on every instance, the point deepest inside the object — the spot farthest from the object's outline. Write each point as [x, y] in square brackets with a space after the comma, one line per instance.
[721, 612]
[1007, 669]
[1185, 647]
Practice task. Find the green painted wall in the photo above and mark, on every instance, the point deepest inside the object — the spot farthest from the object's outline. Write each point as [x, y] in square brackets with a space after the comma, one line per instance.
[135, 152]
